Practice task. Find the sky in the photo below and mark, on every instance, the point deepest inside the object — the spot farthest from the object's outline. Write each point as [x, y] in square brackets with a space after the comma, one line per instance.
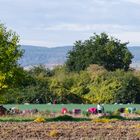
[52, 23]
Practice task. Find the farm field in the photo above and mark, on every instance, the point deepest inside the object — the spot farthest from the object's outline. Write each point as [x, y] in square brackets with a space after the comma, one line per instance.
[119, 130]
[58, 107]
[63, 127]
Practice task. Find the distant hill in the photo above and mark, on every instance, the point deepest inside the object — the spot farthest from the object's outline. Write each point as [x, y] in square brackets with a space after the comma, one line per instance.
[135, 50]
[35, 55]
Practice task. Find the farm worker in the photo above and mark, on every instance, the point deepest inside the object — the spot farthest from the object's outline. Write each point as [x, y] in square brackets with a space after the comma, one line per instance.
[64, 110]
[100, 108]
[132, 109]
[127, 110]
[54, 102]
[92, 110]
[76, 111]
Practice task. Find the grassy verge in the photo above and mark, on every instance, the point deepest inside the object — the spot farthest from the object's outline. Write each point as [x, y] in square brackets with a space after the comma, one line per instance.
[64, 118]
[67, 118]
[55, 119]
[13, 119]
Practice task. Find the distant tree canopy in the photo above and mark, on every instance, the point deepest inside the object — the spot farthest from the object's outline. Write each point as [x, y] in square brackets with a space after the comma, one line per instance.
[99, 49]
[10, 52]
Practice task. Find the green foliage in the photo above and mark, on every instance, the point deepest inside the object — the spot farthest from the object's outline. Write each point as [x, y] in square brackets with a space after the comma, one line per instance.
[10, 52]
[67, 118]
[101, 50]
[31, 119]
[92, 84]
[31, 87]
[103, 92]
[130, 91]
[3, 84]
[37, 93]
[112, 87]
[40, 71]
[69, 87]
[64, 118]
[22, 78]
[15, 119]
[116, 117]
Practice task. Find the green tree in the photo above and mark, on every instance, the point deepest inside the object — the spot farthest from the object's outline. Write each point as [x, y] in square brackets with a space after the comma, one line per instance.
[2, 82]
[130, 91]
[117, 86]
[10, 52]
[40, 70]
[99, 49]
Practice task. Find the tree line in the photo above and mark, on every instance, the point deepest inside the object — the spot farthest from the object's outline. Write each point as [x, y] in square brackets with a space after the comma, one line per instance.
[96, 71]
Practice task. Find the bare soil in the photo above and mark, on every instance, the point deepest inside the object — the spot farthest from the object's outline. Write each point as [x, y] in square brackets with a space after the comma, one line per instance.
[119, 130]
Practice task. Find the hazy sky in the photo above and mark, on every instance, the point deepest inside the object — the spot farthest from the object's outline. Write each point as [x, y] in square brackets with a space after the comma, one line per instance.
[60, 22]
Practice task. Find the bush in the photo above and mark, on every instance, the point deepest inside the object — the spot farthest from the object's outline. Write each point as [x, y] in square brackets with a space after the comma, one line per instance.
[64, 118]
[67, 118]
[114, 87]
[117, 117]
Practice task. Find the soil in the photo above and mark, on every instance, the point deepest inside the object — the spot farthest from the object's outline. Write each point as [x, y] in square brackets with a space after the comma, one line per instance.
[119, 130]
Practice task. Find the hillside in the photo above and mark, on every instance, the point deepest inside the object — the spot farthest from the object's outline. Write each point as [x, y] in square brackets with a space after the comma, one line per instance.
[35, 55]
[135, 50]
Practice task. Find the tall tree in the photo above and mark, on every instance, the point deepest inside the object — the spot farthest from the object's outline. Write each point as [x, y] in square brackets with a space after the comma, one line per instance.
[10, 52]
[99, 49]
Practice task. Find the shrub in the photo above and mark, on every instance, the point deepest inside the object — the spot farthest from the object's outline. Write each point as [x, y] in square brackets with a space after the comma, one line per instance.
[118, 117]
[67, 118]
[64, 118]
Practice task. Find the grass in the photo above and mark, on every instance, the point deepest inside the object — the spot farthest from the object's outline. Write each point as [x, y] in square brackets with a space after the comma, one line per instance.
[65, 118]
[15, 119]
[31, 119]
[118, 117]
[70, 107]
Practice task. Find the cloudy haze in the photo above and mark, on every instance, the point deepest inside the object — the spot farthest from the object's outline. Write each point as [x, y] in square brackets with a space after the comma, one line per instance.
[60, 22]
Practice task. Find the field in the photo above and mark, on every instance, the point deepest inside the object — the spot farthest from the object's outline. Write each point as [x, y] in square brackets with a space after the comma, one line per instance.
[58, 107]
[119, 130]
[18, 127]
